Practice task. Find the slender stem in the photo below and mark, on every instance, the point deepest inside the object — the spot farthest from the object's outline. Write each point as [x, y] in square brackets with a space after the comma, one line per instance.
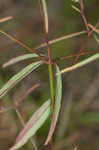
[51, 82]
[83, 15]
[74, 55]
[50, 69]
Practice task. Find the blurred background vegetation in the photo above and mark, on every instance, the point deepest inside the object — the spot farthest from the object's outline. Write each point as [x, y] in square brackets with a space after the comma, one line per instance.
[79, 118]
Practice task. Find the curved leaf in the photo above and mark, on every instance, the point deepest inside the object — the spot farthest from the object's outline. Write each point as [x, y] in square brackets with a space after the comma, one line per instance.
[18, 59]
[57, 106]
[18, 77]
[36, 121]
[80, 64]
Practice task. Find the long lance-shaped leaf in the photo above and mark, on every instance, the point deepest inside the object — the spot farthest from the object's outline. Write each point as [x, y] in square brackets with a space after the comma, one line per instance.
[18, 59]
[18, 77]
[80, 64]
[57, 106]
[45, 14]
[61, 39]
[36, 121]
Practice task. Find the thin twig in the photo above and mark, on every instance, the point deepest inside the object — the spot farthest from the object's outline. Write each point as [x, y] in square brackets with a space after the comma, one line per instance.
[23, 45]
[83, 15]
[81, 50]
[84, 44]
[27, 93]
[73, 55]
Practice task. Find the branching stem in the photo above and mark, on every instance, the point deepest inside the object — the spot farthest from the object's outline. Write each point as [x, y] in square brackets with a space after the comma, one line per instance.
[50, 69]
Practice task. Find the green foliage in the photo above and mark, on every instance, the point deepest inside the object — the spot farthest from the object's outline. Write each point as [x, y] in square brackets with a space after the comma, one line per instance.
[18, 77]
[51, 107]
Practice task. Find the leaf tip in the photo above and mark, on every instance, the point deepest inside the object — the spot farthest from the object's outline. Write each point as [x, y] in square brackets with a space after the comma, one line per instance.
[48, 140]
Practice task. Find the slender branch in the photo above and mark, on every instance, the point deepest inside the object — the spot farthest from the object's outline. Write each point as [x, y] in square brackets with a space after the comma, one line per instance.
[81, 50]
[89, 32]
[27, 93]
[83, 15]
[74, 55]
[45, 30]
[50, 69]
[23, 45]
[84, 44]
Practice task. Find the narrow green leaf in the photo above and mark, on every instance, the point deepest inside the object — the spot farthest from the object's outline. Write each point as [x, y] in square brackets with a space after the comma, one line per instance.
[36, 121]
[61, 39]
[80, 64]
[45, 14]
[18, 59]
[18, 77]
[96, 38]
[57, 106]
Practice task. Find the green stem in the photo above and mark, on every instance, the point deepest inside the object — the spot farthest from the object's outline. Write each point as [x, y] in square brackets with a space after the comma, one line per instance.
[51, 82]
